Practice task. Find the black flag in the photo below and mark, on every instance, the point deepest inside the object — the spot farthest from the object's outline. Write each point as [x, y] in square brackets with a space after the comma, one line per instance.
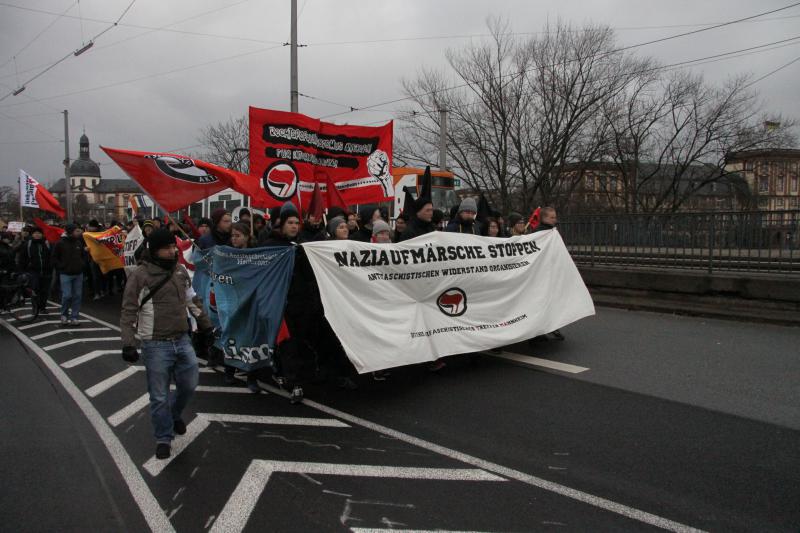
[425, 185]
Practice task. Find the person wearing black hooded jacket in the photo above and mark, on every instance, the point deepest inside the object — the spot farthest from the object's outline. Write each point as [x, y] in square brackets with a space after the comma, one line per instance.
[295, 355]
[34, 258]
[421, 221]
[366, 216]
[220, 232]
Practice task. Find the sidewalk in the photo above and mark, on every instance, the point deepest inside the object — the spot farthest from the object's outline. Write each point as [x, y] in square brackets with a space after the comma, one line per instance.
[57, 475]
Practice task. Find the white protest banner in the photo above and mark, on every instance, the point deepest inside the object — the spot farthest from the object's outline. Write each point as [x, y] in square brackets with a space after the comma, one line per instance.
[27, 190]
[132, 242]
[15, 226]
[445, 293]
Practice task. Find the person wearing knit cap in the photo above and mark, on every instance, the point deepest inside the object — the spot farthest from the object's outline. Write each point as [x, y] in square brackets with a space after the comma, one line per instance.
[69, 261]
[336, 211]
[366, 216]
[204, 226]
[312, 229]
[421, 220]
[400, 225]
[337, 229]
[517, 224]
[157, 301]
[381, 232]
[220, 233]
[464, 221]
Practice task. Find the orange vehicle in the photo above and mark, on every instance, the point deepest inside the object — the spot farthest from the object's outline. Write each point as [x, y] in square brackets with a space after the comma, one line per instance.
[442, 187]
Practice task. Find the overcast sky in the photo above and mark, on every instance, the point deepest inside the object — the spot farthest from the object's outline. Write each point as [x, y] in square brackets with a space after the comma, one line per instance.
[153, 90]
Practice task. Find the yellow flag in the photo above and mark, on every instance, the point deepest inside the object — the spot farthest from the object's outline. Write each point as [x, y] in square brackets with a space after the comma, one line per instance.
[106, 248]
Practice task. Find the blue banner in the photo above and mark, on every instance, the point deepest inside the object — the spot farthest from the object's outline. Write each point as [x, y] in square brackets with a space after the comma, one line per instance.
[201, 283]
[250, 288]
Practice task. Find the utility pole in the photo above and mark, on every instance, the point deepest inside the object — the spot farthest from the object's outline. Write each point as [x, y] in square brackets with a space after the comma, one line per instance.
[293, 92]
[443, 139]
[67, 184]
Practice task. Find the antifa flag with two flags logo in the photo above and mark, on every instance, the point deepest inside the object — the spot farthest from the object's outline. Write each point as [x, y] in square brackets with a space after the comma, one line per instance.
[175, 181]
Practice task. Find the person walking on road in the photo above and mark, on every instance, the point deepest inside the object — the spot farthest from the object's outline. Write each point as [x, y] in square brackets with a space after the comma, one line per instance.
[35, 259]
[69, 260]
[158, 296]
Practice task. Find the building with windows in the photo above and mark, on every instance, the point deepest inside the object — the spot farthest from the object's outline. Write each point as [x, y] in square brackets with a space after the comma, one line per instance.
[92, 195]
[772, 176]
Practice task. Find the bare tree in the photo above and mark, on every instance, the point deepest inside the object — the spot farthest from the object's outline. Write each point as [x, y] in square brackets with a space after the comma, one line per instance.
[480, 114]
[227, 144]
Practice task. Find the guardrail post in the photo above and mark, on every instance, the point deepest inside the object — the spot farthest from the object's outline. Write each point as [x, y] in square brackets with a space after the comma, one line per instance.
[711, 245]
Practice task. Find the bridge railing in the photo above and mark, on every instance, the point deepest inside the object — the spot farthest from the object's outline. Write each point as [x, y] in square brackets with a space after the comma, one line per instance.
[752, 241]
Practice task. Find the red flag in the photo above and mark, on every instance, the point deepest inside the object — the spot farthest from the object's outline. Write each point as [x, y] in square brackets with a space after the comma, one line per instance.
[333, 196]
[175, 181]
[533, 222]
[317, 205]
[289, 152]
[51, 233]
[33, 194]
[185, 252]
[189, 222]
[283, 333]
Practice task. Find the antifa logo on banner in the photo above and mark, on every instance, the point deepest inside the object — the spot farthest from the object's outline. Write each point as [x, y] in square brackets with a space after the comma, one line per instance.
[280, 180]
[452, 302]
[182, 168]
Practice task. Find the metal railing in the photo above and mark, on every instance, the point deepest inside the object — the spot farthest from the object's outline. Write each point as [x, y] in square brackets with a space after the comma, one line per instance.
[753, 241]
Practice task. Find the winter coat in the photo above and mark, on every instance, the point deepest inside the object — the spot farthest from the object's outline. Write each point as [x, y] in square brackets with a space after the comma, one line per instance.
[311, 234]
[68, 256]
[35, 256]
[162, 317]
[416, 227]
[213, 238]
[6, 257]
[362, 234]
[472, 227]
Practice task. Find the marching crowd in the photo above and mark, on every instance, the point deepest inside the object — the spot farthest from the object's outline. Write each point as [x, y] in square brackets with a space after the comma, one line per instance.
[159, 303]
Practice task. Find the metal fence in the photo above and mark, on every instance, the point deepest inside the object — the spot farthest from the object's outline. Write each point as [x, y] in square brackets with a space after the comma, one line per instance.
[766, 242]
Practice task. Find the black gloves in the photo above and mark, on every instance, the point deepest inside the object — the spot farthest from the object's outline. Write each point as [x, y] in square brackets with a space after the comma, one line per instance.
[130, 354]
[202, 340]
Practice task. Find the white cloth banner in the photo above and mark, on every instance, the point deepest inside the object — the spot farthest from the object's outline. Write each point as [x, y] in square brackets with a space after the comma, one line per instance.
[445, 293]
[27, 190]
[132, 242]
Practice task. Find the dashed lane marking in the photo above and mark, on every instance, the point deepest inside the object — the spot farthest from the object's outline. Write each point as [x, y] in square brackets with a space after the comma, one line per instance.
[45, 322]
[142, 401]
[203, 420]
[538, 362]
[88, 357]
[242, 502]
[62, 331]
[113, 380]
[120, 376]
[76, 341]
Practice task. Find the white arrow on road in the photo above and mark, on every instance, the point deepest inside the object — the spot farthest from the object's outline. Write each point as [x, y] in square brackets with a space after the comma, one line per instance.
[236, 513]
[202, 421]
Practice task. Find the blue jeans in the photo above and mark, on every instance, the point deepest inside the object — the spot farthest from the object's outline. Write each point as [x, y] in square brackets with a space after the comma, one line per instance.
[163, 361]
[71, 294]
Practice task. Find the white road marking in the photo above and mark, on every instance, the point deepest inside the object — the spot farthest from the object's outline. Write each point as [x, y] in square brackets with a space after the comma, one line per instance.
[537, 361]
[58, 331]
[395, 530]
[113, 380]
[44, 322]
[76, 341]
[88, 357]
[129, 410]
[202, 421]
[242, 501]
[141, 402]
[557, 488]
[151, 510]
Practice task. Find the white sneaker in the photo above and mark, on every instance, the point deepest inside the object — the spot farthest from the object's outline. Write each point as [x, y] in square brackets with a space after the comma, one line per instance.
[64, 321]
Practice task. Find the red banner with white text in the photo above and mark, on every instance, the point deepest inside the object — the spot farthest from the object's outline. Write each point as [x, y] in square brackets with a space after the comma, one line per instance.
[290, 152]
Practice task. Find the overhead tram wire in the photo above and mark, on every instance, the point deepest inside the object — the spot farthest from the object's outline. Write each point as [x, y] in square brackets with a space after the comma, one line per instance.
[35, 37]
[153, 75]
[768, 74]
[767, 47]
[76, 53]
[603, 54]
